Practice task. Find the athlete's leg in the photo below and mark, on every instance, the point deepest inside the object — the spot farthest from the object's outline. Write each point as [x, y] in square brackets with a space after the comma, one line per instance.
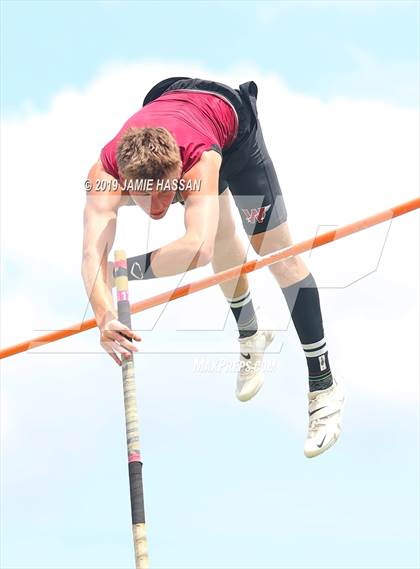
[229, 251]
[301, 293]
[259, 199]
[289, 271]
[326, 398]
[258, 196]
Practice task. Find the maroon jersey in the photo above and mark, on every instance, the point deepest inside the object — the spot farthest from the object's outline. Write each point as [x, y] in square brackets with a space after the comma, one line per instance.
[198, 121]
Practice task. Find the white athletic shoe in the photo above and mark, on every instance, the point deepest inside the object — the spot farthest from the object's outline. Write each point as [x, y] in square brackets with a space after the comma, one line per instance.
[324, 419]
[251, 376]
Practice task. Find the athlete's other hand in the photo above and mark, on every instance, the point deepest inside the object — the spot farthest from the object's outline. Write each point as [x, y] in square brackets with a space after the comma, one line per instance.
[115, 339]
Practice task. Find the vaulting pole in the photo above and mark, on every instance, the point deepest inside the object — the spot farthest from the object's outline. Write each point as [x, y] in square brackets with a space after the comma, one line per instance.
[224, 276]
[135, 464]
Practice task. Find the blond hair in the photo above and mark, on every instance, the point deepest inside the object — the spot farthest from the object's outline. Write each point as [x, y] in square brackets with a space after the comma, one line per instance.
[147, 153]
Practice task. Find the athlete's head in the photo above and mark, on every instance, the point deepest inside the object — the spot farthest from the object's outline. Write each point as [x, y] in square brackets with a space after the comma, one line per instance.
[148, 154]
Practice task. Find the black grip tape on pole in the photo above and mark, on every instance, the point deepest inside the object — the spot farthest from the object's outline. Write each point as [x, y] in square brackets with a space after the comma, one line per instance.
[124, 313]
[136, 492]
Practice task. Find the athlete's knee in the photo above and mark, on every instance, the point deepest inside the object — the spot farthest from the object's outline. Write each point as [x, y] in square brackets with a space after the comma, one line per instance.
[206, 254]
[271, 240]
[286, 266]
[289, 271]
[201, 251]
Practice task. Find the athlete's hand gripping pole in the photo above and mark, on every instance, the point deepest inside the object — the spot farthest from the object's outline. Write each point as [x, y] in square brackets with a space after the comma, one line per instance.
[131, 420]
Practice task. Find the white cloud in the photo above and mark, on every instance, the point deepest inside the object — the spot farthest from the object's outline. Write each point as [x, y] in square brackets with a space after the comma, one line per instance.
[337, 161]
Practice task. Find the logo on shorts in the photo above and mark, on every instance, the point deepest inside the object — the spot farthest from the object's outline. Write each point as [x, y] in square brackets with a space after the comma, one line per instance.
[256, 214]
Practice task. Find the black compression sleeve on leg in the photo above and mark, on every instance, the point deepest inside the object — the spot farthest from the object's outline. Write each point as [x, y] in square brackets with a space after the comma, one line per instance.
[303, 301]
[139, 267]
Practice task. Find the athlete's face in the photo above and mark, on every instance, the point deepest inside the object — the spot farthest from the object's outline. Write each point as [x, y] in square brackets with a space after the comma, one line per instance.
[155, 196]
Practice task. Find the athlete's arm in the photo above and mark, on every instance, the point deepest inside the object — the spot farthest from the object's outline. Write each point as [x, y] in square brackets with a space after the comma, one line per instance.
[195, 248]
[100, 219]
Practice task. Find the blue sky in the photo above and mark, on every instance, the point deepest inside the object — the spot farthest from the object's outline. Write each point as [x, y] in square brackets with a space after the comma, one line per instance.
[226, 484]
[316, 46]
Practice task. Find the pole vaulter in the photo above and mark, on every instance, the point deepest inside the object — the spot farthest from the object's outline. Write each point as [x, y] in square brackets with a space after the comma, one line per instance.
[224, 276]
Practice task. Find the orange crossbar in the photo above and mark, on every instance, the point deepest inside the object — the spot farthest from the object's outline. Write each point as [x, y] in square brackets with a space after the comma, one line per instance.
[223, 276]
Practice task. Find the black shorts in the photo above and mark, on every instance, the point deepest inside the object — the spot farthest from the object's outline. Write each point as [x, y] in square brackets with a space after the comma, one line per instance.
[249, 173]
[246, 168]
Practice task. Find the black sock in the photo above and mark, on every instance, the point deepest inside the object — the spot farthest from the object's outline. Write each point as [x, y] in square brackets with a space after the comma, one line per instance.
[303, 301]
[244, 313]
